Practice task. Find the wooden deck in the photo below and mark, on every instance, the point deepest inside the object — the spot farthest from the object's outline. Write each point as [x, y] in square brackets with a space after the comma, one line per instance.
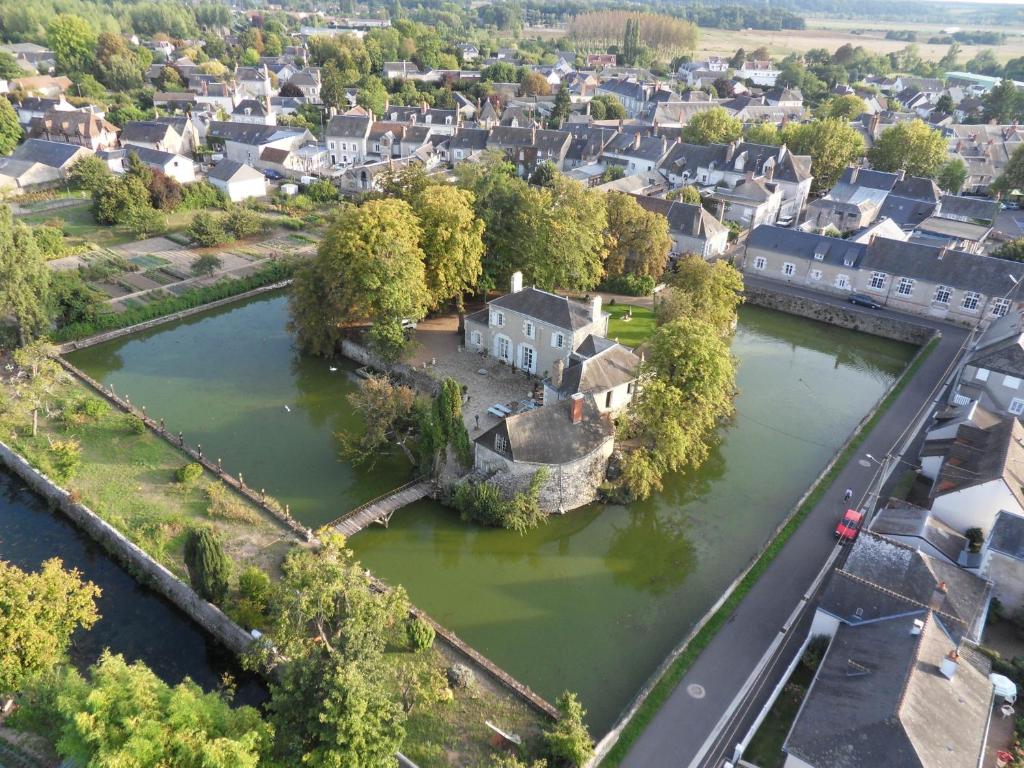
[381, 509]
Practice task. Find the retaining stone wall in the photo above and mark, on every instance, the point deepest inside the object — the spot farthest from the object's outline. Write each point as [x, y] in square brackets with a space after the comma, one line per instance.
[845, 317]
[99, 338]
[145, 568]
[418, 379]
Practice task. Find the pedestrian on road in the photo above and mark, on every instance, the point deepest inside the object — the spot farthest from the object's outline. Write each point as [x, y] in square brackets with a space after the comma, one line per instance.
[848, 495]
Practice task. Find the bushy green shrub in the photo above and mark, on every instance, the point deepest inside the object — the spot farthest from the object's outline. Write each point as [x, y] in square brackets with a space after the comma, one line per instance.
[187, 474]
[50, 241]
[209, 568]
[208, 230]
[134, 424]
[92, 407]
[254, 585]
[461, 676]
[420, 634]
[243, 222]
[200, 195]
[322, 191]
[482, 502]
[225, 504]
[66, 458]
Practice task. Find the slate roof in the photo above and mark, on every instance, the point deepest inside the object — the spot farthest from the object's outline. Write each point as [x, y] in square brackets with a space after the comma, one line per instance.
[1007, 535]
[977, 209]
[249, 133]
[592, 345]
[901, 518]
[470, 139]
[348, 126]
[148, 131]
[608, 368]
[1005, 356]
[502, 137]
[806, 245]
[883, 578]
[905, 211]
[547, 435]
[550, 308]
[253, 106]
[879, 699]
[944, 266]
[153, 156]
[686, 218]
[231, 170]
[420, 115]
[979, 455]
[52, 153]
[650, 148]
[865, 177]
[689, 157]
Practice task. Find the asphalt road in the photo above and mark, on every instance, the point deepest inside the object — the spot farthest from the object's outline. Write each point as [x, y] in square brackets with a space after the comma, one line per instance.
[687, 727]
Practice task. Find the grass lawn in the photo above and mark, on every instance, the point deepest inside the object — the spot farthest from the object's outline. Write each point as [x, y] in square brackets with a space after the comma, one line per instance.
[633, 332]
[765, 748]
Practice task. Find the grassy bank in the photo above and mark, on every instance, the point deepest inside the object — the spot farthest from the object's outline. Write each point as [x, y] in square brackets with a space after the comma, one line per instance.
[129, 478]
[664, 687]
[274, 272]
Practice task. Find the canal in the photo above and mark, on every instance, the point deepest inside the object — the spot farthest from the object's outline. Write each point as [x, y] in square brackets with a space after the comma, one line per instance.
[135, 622]
[593, 600]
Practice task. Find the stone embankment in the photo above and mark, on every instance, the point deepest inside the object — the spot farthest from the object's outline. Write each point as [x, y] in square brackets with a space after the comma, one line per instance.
[865, 321]
[141, 565]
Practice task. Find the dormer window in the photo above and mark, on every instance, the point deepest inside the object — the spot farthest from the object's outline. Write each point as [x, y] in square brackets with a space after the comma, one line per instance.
[501, 444]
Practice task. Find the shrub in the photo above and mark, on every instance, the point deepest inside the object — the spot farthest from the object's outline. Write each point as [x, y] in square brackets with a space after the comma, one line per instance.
[207, 230]
[254, 585]
[461, 676]
[66, 458]
[92, 407]
[290, 222]
[420, 634]
[629, 285]
[975, 537]
[322, 191]
[207, 264]
[164, 192]
[200, 195]
[243, 222]
[223, 503]
[50, 241]
[209, 569]
[815, 652]
[568, 741]
[133, 424]
[483, 503]
[189, 473]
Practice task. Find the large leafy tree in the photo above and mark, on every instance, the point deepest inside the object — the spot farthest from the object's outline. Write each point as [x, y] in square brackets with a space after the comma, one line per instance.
[24, 279]
[573, 230]
[714, 126]
[1012, 176]
[1004, 103]
[952, 175]
[123, 714]
[42, 376]
[911, 146]
[73, 42]
[369, 268]
[452, 242]
[638, 241]
[711, 291]
[10, 129]
[842, 107]
[831, 143]
[41, 611]
[332, 706]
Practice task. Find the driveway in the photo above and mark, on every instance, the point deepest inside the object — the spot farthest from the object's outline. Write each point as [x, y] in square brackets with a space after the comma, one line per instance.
[701, 732]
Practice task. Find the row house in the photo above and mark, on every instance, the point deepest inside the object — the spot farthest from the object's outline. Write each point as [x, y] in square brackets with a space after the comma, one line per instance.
[245, 142]
[692, 229]
[347, 135]
[82, 128]
[527, 148]
[906, 276]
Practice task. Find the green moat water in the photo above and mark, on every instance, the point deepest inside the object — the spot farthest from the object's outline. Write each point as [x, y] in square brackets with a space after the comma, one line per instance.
[593, 600]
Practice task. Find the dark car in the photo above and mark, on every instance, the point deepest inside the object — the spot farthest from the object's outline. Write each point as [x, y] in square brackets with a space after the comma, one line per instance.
[849, 526]
[863, 300]
[273, 175]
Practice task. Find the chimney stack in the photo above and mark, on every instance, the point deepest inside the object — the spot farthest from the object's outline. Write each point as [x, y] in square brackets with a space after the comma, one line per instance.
[730, 150]
[949, 664]
[854, 172]
[576, 412]
[595, 308]
[901, 174]
[517, 282]
[557, 369]
[636, 140]
[916, 628]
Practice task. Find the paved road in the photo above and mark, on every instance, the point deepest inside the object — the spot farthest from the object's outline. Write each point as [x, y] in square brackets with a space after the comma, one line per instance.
[680, 730]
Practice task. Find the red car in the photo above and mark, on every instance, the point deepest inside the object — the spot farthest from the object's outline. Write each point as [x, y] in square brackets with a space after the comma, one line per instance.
[849, 526]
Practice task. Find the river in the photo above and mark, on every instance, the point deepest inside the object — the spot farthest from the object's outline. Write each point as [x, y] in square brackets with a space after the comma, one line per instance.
[593, 600]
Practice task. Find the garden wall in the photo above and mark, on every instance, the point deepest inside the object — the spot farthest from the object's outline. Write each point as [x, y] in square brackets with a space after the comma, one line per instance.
[145, 568]
[418, 379]
[864, 320]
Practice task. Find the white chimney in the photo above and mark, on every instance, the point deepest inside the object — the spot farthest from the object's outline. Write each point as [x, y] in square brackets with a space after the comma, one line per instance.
[595, 309]
[949, 665]
[517, 282]
[918, 626]
[557, 369]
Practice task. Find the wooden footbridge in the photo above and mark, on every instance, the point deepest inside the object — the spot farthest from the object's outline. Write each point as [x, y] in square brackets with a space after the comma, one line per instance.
[380, 509]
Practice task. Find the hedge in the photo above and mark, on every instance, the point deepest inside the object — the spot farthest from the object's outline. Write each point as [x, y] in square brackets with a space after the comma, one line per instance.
[194, 297]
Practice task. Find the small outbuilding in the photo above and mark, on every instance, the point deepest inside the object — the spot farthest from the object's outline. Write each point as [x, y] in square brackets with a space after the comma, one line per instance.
[238, 180]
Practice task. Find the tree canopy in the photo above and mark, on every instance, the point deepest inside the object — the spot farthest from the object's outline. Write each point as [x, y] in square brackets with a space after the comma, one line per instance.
[24, 280]
[832, 144]
[638, 241]
[713, 126]
[911, 146]
[452, 242]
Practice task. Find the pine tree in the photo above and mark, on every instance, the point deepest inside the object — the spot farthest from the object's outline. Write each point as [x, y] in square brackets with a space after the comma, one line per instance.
[208, 566]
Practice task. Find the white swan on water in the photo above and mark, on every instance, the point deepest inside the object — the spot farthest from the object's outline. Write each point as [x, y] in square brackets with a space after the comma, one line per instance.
[288, 409]
[332, 369]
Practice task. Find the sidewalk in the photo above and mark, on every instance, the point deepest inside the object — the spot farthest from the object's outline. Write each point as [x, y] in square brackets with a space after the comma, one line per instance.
[678, 732]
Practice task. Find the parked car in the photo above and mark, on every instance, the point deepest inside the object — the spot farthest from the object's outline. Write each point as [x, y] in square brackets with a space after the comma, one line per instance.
[273, 175]
[849, 526]
[1010, 205]
[863, 300]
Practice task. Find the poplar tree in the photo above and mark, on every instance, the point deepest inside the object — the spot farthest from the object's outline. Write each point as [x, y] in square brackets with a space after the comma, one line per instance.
[209, 568]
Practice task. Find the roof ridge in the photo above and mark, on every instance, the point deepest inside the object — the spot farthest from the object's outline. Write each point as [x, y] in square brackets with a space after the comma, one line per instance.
[898, 596]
